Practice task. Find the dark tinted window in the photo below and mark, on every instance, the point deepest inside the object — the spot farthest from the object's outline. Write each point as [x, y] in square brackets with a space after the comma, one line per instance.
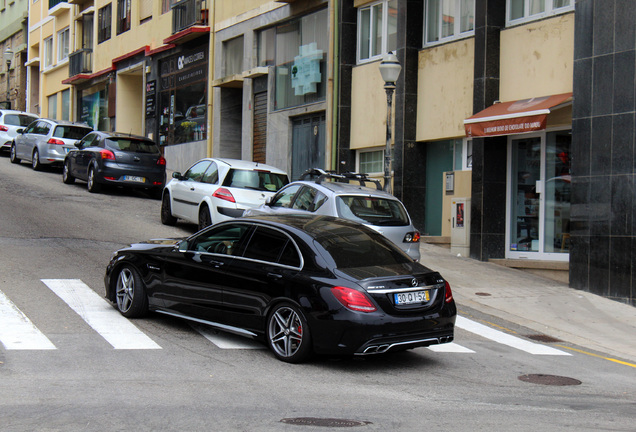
[18, 119]
[350, 248]
[272, 246]
[70, 132]
[132, 145]
[256, 180]
[221, 240]
[372, 210]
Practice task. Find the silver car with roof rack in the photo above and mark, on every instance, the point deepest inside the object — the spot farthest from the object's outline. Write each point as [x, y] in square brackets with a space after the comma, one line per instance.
[346, 196]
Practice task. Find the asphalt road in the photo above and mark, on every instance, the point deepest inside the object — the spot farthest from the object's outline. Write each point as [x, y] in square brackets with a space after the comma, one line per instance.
[53, 235]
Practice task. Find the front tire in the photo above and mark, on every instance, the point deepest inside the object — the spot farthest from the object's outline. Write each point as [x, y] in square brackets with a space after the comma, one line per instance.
[13, 155]
[166, 211]
[130, 293]
[288, 334]
[66, 173]
[93, 186]
[35, 161]
[205, 220]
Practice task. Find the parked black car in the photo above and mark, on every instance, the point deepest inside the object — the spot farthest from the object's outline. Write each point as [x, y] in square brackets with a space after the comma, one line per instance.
[300, 283]
[111, 158]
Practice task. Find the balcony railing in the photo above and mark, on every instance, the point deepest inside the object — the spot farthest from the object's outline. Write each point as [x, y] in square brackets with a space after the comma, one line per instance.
[53, 3]
[187, 13]
[80, 62]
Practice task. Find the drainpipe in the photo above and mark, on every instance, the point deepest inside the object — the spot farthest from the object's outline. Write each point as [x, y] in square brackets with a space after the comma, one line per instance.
[210, 113]
[335, 87]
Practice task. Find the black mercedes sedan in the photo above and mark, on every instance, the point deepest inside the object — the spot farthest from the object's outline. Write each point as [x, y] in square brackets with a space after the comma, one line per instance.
[302, 284]
[116, 159]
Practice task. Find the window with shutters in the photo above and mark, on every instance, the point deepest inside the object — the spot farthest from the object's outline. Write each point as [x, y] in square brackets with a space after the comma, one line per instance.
[145, 10]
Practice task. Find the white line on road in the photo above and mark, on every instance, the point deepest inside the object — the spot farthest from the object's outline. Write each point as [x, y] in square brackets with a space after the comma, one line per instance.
[506, 339]
[110, 324]
[451, 347]
[226, 340]
[17, 332]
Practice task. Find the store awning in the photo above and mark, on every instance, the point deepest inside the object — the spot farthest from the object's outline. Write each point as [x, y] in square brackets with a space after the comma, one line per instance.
[515, 117]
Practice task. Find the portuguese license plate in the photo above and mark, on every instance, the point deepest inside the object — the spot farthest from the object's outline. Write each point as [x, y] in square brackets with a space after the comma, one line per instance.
[411, 297]
[136, 179]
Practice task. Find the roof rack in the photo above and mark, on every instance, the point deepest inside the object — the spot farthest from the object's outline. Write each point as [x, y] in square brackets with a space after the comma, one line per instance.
[319, 175]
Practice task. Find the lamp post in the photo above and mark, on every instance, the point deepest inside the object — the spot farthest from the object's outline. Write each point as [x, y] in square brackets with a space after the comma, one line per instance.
[8, 58]
[390, 70]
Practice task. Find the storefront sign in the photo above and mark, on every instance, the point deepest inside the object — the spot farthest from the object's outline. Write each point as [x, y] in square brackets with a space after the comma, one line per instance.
[151, 98]
[191, 75]
[306, 69]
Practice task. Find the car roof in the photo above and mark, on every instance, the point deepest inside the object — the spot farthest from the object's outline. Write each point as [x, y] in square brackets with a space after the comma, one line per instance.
[121, 135]
[242, 164]
[339, 188]
[66, 123]
[310, 224]
[6, 111]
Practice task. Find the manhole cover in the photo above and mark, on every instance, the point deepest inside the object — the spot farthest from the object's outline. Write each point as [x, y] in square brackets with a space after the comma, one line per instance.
[543, 338]
[324, 422]
[552, 380]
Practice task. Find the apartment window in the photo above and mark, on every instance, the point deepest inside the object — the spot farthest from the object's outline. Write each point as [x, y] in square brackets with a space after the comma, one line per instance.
[371, 161]
[52, 104]
[166, 5]
[66, 104]
[527, 10]
[266, 45]
[448, 19]
[233, 56]
[48, 52]
[104, 18]
[123, 16]
[63, 44]
[377, 30]
[145, 10]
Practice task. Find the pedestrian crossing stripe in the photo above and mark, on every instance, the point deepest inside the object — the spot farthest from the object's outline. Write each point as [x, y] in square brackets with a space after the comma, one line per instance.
[17, 332]
[101, 316]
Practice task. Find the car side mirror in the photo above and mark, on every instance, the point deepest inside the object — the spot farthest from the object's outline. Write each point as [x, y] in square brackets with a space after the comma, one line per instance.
[20, 131]
[177, 175]
[78, 144]
[268, 201]
[183, 246]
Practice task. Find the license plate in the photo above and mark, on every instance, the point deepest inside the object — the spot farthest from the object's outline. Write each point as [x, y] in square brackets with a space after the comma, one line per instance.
[412, 297]
[134, 179]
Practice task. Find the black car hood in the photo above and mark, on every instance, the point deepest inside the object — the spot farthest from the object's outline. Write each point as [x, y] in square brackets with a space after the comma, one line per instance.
[155, 244]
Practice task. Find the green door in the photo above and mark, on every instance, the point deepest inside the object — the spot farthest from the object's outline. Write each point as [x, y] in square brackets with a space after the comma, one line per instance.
[439, 158]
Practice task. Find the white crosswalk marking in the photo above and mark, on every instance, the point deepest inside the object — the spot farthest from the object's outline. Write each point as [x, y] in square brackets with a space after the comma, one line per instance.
[507, 339]
[17, 332]
[226, 340]
[110, 324]
[450, 348]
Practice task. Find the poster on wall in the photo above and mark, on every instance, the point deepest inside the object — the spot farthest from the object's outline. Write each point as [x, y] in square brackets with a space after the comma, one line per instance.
[90, 110]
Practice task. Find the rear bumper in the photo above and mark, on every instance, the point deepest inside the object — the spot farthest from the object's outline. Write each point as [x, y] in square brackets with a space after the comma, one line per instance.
[118, 176]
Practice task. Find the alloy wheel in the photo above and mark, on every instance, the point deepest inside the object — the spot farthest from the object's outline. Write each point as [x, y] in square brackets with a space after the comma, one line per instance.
[286, 333]
[125, 290]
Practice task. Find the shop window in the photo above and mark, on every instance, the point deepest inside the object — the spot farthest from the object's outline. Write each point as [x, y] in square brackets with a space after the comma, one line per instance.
[371, 162]
[448, 19]
[104, 18]
[52, 106]
[123, 16]
[233, 56]
[463, 154]
[519, 11]
[377, 30]
[62, 44]
[66, 104]
[48, 52]
[94, 107]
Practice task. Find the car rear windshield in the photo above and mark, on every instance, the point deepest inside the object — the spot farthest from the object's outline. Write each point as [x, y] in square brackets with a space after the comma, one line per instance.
[71, 132]
[132, 145]
[372, 210]
[352, 248]
[18, 119]
[255, 180]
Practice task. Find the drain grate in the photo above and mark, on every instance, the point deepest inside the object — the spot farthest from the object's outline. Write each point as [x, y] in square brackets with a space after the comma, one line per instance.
[552, 380]
[543, 338]
[483, 294]
[324, 422]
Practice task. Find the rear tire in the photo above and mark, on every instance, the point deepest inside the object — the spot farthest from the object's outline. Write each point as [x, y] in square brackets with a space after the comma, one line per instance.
[66, 173]
[288, 334]
[35, 161]
[130, 293]
[205, 220]
[13, 157]
[93, 186]
[166, 211]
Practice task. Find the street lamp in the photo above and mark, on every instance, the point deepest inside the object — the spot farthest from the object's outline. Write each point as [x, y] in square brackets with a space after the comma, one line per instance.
[390, 70]
[8, 57]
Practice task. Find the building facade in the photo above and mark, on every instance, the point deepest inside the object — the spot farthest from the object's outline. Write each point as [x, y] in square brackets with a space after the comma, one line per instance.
[13, 37]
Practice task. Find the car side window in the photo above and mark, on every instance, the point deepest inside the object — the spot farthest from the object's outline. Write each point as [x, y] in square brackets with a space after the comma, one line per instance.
[273, 246]
[42, 128]
[319, 200]
[87, 141]
[211, 175]
[223, 240]
[285, 196]
[30, 128]
[196, 171]
[305, 199]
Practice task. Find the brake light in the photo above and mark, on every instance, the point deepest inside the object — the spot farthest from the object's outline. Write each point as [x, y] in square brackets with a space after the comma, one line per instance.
[353, 299]
[55, 141]
[3, 128]
[412, 237]
[161, 161]
[224, 194]
[107, 154]
[448, 294]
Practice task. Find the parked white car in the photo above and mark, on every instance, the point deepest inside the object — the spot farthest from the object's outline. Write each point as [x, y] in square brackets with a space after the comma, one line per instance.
[10, 122]
[213, 190]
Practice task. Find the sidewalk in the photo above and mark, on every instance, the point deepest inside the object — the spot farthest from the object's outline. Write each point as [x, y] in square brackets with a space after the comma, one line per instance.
[548, 307]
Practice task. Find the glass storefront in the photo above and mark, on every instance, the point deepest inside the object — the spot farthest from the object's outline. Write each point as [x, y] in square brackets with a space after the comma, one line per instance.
[94, 107]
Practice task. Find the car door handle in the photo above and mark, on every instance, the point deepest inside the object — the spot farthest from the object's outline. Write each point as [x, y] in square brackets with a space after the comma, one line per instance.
[216, 264]
[275, 276]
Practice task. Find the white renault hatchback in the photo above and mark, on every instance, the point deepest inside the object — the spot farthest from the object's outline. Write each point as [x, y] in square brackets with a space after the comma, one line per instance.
[214, 190]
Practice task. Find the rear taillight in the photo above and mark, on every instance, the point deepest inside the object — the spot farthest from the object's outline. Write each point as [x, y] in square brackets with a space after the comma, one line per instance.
[353, 299]
[3, 128]
[107, 154]
[224, 194]
[55, 141]
[412, 237]
[161, 161]
[448, 294]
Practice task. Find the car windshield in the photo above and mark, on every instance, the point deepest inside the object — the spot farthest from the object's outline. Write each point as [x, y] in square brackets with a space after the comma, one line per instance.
[18, 119]
[353, 248]
[71, 132]
[254, 179]
[372, 210]
[132, 145]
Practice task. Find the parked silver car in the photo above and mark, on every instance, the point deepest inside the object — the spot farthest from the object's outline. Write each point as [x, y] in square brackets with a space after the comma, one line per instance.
[46, 142]
[325, 193]
[10, 122]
